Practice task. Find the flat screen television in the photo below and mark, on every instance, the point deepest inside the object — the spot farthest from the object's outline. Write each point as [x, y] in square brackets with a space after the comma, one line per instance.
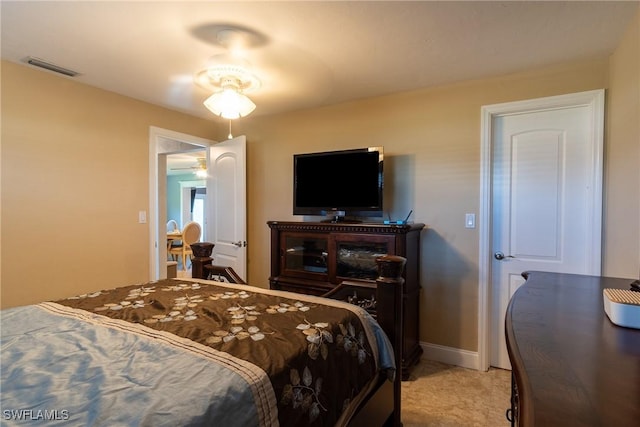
[345, 183]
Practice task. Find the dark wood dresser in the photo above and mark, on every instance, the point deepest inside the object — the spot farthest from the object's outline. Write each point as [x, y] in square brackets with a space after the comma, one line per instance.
[571, 365]
[315, 257]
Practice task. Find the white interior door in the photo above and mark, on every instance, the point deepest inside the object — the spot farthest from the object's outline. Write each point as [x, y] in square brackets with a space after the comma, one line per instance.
[226, 186]
[546, 198]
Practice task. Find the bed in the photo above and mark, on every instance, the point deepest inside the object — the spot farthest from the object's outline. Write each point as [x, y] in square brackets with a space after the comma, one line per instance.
[180, 352]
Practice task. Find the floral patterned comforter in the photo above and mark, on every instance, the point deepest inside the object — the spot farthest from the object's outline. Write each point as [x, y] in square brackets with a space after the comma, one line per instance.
[310, 360]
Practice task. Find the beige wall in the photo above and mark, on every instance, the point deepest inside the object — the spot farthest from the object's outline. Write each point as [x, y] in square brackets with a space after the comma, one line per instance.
[74, 176]
[622, 159]
[432, 157]
[62, 141]
[431, 139]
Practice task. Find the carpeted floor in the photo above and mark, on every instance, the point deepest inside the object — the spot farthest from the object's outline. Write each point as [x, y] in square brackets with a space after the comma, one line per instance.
[439, 395]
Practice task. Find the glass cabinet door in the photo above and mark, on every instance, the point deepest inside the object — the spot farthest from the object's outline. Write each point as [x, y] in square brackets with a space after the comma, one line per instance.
[304, 254]
[356, 258]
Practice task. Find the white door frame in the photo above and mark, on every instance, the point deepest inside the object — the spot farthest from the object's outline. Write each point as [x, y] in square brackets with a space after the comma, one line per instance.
[595, 101]
[161, 143]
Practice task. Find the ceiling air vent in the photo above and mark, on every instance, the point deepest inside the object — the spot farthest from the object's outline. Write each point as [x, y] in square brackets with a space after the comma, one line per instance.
[51, 67]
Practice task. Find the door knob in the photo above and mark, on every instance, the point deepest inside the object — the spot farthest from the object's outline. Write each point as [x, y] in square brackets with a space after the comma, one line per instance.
[500, 256]
[240, 243]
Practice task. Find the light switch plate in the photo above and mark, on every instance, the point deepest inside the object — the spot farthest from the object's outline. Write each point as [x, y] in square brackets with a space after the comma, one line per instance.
[142, 217]
[470, 220]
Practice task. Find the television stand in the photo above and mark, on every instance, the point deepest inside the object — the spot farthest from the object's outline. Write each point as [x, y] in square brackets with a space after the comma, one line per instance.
[339, 217]
[342, 220]
[316, 257]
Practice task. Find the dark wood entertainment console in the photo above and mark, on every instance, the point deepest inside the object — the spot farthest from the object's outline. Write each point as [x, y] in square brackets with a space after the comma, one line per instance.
[315, 257]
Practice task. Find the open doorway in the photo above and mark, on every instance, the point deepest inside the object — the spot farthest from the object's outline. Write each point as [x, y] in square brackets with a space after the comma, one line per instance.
[225, 207]
[186, 195]
[186, 188]
[165, 144]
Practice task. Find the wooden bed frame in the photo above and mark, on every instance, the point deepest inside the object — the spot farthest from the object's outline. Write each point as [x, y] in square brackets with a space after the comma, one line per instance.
[383, 405]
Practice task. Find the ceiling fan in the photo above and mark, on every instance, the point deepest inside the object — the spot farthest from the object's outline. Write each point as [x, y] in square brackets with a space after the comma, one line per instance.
[200, 169]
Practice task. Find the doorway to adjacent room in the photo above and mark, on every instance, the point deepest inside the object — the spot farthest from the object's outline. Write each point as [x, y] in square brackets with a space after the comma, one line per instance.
[225, 204]
[162, 143]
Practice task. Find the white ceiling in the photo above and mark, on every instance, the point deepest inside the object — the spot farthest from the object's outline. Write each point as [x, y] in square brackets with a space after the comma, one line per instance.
[306, 54]
[184, 163]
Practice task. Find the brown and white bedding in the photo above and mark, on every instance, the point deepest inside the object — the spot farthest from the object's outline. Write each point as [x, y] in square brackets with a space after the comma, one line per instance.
[187, 352]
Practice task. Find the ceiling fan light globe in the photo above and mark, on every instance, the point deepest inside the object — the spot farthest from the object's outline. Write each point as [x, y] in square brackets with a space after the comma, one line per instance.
[230, 104]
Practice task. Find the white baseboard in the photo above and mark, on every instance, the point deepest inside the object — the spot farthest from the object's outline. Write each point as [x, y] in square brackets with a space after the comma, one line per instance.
[451, 356]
